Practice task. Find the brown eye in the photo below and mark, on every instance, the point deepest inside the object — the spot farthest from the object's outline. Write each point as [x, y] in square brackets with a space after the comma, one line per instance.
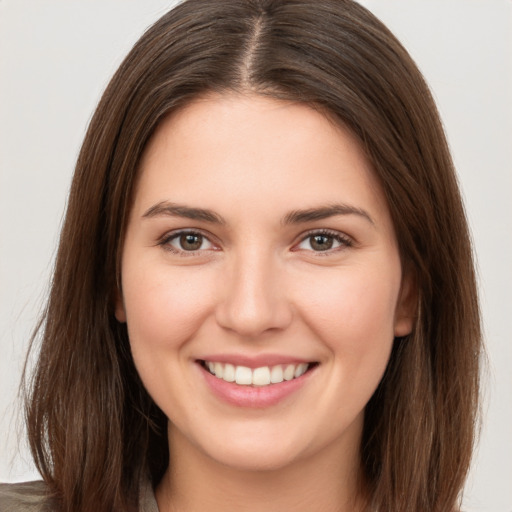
[324, 242]
[187, 242]
[321, 242]
[190, 241]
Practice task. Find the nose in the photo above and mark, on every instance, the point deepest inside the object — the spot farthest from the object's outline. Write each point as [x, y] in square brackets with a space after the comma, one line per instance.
[254, 296]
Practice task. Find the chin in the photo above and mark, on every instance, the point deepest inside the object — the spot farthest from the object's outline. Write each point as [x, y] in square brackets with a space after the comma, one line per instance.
[255, 459]
[250, 449]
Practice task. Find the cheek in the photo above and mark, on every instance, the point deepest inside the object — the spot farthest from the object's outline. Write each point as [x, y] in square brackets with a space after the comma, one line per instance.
[165, 308]
[353, 318]
[354, 301]
[353, 315]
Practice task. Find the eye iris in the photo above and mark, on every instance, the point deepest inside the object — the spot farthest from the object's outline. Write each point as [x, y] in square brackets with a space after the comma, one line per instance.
[191, 242]
[321, 242]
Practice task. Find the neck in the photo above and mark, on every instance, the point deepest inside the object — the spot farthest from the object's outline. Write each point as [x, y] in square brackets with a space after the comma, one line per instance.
[327, 482]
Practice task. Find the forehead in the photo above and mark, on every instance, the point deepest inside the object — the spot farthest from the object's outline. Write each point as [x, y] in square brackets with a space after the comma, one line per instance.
[249, 150]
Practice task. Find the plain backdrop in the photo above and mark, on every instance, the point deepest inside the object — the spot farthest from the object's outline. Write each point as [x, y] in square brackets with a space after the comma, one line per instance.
[56, 56]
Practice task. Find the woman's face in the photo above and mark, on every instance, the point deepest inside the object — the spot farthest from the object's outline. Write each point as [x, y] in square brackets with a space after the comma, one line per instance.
[260, 249]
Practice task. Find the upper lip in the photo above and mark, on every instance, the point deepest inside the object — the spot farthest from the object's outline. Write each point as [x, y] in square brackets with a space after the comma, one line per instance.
[256, 361]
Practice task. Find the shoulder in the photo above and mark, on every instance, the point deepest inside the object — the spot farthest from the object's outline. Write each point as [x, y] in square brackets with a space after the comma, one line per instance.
[26, 497]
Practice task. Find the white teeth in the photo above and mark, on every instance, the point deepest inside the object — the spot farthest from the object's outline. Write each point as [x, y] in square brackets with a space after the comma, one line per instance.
[243, 375]
[229, 373]
[276, 375]
[219, 370]
[289, 372]
[262, 376]
[300, 370]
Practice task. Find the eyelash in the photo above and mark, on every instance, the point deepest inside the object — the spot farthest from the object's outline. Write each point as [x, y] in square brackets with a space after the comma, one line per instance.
[343, 240]
[164, 242]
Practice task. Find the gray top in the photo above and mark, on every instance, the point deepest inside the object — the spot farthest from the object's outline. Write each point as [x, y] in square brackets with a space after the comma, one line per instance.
[32, 497]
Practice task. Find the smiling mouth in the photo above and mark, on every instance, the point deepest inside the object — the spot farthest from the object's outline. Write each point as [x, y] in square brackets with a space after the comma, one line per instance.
[262, 376]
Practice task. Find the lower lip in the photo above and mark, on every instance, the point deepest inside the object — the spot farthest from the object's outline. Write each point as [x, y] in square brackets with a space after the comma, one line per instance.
[253, 396]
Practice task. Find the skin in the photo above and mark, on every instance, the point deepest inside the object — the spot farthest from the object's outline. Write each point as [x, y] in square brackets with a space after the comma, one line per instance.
[257, 285]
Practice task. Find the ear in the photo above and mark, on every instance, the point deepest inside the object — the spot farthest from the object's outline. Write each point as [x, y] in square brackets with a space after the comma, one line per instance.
[119, 310]
[407, 306]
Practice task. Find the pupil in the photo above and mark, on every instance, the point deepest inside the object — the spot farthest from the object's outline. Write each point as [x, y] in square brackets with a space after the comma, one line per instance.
[191, 242]
[321, 242]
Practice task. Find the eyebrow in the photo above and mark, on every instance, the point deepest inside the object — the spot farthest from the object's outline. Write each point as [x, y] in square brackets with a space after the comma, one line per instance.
[324, 212]
[165, 208]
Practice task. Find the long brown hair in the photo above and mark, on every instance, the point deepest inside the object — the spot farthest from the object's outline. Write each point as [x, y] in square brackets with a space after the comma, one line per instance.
[93, 429]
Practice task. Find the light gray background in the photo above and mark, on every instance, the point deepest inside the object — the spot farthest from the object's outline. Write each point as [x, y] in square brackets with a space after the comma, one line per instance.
[56, 57]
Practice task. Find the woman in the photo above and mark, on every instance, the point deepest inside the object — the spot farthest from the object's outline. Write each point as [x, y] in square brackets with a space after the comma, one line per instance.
[264, 294]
